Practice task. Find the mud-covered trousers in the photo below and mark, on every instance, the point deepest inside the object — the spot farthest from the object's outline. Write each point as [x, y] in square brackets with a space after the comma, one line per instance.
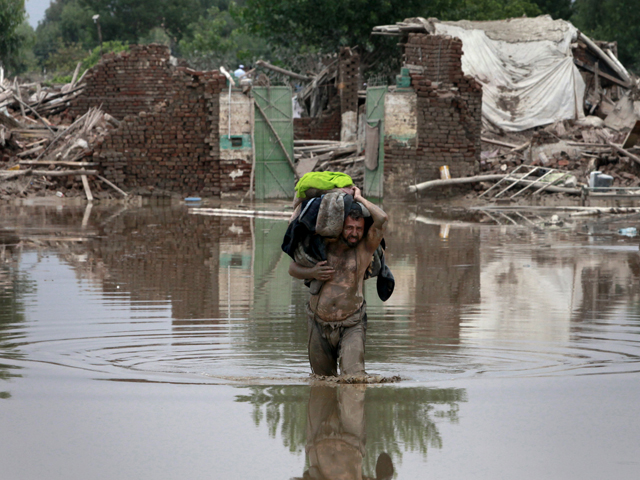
[337, 343]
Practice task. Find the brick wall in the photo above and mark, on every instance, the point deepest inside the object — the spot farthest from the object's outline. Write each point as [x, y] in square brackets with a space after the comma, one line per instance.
[173, 148]
[325, 127]
[449, 110]
[127, 83]
[349, 79]
[168, 140]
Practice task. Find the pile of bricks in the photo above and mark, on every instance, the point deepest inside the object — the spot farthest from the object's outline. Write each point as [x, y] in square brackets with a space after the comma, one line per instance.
[348, 79]
[173, 148]
[449, 109]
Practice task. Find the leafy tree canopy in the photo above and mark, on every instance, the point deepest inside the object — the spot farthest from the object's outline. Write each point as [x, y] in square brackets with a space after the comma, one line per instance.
[12, 14]
[331, 24]
[612, 20]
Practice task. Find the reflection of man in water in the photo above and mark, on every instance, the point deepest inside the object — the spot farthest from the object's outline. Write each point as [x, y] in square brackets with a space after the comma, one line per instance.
[337, 319]
[336, 435]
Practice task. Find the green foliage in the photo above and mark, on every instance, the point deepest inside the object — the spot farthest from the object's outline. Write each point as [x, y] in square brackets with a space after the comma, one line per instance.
[66, 27]
[64, 59]
[556, 8]
[215, 39]
[337, 23]
[22, 58]
[129, 20]
[155, 35]
[612, 20]
[12, 15]
[107, 47]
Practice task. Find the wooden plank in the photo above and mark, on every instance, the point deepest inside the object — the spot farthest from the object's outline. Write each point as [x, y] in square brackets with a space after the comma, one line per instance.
[87, 189]
[124, 194]
[58, 163]
[601, 73]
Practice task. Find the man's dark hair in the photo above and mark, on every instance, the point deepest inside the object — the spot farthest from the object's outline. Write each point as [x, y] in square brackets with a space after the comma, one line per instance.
[355, 213]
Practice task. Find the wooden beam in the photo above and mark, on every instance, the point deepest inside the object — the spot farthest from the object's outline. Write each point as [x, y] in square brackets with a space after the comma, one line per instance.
[87, 189]
[625, 153]
[604, 57]
[119, 190]
[602, 74]
[483, 178]
[288, 73]
[62, 164]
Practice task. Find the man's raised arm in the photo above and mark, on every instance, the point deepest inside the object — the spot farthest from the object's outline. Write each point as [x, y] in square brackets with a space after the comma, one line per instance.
[376, 232]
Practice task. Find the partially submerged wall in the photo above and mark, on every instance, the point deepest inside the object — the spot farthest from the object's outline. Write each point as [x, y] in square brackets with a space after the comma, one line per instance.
[448, 116]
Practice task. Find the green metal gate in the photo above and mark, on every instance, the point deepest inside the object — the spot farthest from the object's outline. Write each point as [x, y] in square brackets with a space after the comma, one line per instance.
[374, 179]
[274, 176]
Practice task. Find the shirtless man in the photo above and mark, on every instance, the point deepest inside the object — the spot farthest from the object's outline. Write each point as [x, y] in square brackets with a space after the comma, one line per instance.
[337, 319]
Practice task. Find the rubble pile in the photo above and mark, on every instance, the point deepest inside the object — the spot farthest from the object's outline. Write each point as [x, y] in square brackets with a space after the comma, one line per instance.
[37, 160]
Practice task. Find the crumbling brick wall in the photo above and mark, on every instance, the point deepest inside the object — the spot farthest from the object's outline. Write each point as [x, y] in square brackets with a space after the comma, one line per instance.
[325, 127]
[173, 148]
[348, 80]
[128, 82]
[449, 109]
[168, 140]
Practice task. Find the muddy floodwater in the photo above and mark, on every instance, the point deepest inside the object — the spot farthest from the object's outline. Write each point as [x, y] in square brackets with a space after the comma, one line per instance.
[155, 343]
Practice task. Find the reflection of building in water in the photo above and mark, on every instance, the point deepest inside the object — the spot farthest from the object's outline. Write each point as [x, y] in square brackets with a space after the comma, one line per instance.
[235, 275]
[163, 255]
[447, 279]
[553, 283]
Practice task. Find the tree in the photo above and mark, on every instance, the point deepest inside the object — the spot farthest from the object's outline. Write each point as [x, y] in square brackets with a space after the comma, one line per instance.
[612, 20]
[306, 25]
[556, 8]
[129, 20]
[12, 14]
[216, 39]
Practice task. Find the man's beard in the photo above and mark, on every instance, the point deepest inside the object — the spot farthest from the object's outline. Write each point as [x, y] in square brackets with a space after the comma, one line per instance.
[349, 244]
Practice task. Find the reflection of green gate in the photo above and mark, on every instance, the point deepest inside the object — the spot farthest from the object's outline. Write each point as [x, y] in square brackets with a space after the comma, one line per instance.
[274, 177]
[373, 179]
[272, 283]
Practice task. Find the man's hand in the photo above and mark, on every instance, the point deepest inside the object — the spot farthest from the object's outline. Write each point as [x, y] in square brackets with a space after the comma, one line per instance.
[322, 271]
[357, 194]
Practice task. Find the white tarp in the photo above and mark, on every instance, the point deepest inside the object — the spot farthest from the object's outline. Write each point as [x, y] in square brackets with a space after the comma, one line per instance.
[526, 69]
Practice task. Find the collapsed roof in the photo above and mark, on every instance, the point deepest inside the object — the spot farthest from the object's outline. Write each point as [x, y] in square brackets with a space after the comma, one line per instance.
[525, 65]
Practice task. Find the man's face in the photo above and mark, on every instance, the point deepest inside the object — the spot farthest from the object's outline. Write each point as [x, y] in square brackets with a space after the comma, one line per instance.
[352, 231]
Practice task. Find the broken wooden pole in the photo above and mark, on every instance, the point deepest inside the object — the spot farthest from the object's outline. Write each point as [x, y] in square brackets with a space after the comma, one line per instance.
[483, 178]
[624, 152]
[598, 51]
[87, 189]
[288, 73]
[496, 142]
[119, 190]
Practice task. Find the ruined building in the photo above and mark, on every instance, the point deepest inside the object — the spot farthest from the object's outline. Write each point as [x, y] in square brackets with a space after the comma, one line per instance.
[434, 115]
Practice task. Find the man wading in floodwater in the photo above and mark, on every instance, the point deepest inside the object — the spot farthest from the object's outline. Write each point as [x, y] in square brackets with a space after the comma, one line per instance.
[337, 319]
